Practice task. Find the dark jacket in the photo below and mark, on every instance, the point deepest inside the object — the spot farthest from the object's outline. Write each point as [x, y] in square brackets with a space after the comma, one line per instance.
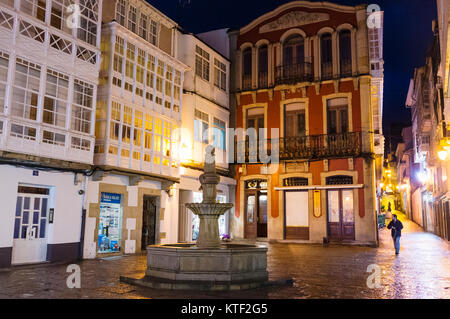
[396, 228]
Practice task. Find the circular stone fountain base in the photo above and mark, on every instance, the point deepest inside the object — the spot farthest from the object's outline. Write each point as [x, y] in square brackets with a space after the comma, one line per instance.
[186, 267]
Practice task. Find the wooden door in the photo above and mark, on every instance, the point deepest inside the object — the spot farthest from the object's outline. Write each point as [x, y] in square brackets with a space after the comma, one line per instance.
[262, 215]
[251, 215]
[341, 215]
[148, 222]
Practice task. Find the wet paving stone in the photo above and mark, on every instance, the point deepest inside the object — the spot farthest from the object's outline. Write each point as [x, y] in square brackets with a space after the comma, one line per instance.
[422, 270]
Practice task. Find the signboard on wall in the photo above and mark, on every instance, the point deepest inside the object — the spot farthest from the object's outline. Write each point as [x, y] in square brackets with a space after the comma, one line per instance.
[110, 198]
[317, 208]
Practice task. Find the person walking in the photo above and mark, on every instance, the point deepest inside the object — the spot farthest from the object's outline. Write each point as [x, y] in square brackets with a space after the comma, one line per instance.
[396, 227]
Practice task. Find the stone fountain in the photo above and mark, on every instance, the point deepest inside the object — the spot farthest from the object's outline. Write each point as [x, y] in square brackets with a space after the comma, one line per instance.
[209, 264]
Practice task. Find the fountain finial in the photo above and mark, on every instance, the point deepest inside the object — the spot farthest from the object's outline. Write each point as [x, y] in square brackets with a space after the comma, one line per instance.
[209, 210]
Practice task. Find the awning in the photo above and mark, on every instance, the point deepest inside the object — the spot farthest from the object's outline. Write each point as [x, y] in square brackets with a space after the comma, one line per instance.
[318, 187]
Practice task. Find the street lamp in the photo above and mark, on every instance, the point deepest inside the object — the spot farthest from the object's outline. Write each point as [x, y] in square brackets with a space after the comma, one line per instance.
[442, 153]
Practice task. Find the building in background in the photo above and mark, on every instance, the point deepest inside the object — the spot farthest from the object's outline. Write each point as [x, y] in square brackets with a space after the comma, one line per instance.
[427, 100]
[304, 69]
[131, 200]
[49, 67]
[377, 92]
[204, 120]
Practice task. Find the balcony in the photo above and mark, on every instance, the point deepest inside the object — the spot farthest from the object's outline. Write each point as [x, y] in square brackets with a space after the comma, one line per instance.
[346, 68]
[263, 80]
[327, 71]
[293, 73]
[247, 82]
[302, 147]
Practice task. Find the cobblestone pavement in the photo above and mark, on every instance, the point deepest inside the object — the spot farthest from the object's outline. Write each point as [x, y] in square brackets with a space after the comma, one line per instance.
[422, 270]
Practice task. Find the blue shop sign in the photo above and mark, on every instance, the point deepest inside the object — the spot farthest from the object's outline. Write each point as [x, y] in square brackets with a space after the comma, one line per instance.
[110, 198]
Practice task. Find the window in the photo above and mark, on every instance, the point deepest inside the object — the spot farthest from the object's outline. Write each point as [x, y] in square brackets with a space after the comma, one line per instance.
[25, 132]
[294, 50]
[201, 127]
[255, 119]
[35, 8]
[126, 124]
[117, 63]
[337, 113]
[202, 63]
[150, 70]
[326, 56]
[247, 69]
[157, 139]
[60, 44]
[53, 138]
[88, 21]
[160, 76]
[132, 16]
[31, 31]
[120, 12]
[115, 121]
[81, 144]
[6, 20]
[138, 121]
[154, 33]
[82, 106]
[55, 100]
[4, 60]
[59, 15]
[26, 90]
[220, 75]
[345, 52]
[263, 66]
[143, 27]
[169, 76]
[148, 129]
[119, 46]
[295, 121]
[374, 44]
[166, 141]
[219, 134]
[177, 86]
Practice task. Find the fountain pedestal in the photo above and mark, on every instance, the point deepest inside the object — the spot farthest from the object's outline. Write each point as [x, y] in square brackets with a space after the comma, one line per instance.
[208, 264]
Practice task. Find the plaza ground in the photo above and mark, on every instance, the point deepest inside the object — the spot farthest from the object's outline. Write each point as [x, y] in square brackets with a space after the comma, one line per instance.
[422, 270]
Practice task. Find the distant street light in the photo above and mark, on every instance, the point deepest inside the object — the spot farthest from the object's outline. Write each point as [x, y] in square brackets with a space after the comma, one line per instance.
[442, 153]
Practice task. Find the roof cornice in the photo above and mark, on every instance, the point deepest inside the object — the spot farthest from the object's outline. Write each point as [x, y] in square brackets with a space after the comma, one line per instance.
[307, 4]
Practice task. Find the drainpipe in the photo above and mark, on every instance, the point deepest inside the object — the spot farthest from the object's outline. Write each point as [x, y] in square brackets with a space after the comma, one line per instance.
[83, 218]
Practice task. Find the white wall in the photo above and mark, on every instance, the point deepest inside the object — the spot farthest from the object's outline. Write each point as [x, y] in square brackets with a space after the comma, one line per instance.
[64, 199]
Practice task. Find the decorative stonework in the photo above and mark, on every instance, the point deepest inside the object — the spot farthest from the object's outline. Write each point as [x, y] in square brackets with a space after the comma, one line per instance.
[294, 19]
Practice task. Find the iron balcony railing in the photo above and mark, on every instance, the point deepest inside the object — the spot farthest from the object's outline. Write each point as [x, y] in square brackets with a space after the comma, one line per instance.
[263, 80]
[346, 67]
[301, 147]
[246, 82]
[327, 71]
[293, 73]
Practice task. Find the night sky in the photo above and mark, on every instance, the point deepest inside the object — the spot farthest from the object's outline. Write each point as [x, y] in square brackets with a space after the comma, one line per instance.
[407, 35]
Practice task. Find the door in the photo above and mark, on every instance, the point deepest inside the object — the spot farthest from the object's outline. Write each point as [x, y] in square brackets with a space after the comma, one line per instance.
[262, 215]
[341, 216]
[296, 215]
[149, 222]
[30, 229]
[251, 213]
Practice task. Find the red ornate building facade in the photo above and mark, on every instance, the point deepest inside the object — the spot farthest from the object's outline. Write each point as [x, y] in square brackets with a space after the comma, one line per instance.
[302, 73]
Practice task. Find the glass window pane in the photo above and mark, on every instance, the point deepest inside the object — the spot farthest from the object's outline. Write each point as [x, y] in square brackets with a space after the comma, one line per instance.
[42, 228]
[19, 206]
[347, 205]
[44, 207]
[16, 228]
[333, 206]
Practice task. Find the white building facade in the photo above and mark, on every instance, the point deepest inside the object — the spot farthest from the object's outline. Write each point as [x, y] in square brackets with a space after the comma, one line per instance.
[49, 62]
[204, 120]
[132, 201]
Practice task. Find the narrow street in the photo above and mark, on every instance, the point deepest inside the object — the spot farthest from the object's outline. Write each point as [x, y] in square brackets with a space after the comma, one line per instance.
[422, 270]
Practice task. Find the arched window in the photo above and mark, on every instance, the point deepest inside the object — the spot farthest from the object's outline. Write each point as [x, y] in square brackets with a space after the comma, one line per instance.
[326, 56]
[294, 50]
[345, 52]
[263, 66]
[247, 69]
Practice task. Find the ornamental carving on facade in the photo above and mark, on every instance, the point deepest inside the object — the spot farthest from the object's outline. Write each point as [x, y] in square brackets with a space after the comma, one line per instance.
[293, 19]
